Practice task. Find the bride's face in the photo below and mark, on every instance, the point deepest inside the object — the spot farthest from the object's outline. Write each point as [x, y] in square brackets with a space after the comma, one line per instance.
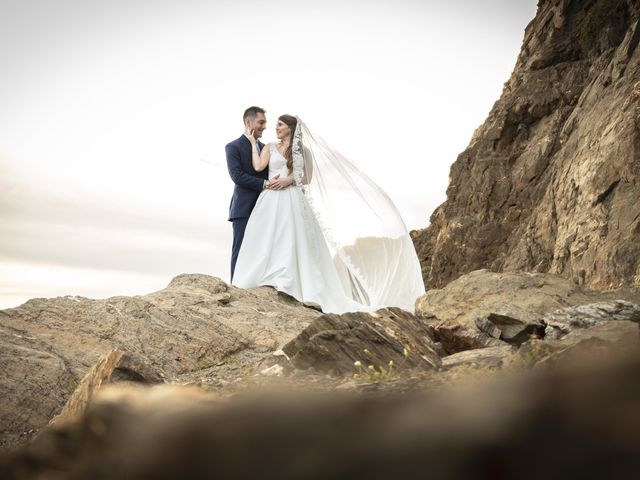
[282, 130]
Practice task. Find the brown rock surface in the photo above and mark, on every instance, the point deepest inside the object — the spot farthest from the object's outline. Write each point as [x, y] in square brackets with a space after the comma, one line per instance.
[34, 385]
[98, 375]
[524, 296]
[332, 343]
[579, 423]
[491, 357]
[197, 323]
[551, 181]
[591, 346]
[585, 335]
[112, 367]
[240, 338]
[471, 312]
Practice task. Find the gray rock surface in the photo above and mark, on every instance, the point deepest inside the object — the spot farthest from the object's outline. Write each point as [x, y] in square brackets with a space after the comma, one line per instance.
[198, 323]
[550, 181]
[490, 357]
[590, 334]
[564, 321]
[526, 297]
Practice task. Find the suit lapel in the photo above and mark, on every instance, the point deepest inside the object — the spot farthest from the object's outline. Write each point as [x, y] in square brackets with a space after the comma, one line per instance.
[245, 141]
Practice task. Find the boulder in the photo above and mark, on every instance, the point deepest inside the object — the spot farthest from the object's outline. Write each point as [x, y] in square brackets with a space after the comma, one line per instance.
[585, 334]
[198, 326]
[484, 308]
[333, 343]
[524, 296]
[561, 322]
[490, 357]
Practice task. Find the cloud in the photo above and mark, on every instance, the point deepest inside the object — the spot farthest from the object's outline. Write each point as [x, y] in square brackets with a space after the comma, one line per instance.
[40, 226]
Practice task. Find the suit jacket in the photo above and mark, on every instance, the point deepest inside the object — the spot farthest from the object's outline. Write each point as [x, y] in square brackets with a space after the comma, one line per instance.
[249, 183]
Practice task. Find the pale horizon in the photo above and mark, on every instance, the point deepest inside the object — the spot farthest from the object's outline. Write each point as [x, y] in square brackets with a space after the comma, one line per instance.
[115, 117]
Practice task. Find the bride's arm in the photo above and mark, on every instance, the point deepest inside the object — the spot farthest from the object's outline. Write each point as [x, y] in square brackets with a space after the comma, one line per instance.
[260, 160]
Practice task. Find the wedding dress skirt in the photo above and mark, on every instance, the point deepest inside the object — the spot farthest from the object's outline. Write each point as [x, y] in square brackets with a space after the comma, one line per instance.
[284, 247]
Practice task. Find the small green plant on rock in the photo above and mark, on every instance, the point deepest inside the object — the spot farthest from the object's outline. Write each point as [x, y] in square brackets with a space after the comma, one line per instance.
[379, 372]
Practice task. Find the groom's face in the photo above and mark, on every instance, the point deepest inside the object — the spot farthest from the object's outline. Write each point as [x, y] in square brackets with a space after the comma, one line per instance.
[258, 125]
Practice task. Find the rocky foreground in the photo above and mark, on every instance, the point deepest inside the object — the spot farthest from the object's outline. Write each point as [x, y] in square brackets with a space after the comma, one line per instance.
[256, 365]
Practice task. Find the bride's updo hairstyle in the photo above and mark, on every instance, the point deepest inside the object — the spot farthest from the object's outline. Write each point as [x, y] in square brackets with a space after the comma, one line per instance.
[291, 122]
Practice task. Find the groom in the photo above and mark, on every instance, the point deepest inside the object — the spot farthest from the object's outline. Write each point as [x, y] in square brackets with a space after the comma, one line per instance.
[248, 182]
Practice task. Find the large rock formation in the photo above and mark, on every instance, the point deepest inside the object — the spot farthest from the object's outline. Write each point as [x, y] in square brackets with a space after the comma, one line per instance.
[197, 324]
[551, 181]
[552, 425]
[66, 352]
[483, 308]
[199, 331]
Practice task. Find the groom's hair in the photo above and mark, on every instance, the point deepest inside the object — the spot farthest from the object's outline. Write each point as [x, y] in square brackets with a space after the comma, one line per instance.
[252, 112]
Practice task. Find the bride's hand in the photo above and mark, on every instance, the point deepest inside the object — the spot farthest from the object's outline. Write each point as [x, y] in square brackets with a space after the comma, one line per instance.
[248, 131]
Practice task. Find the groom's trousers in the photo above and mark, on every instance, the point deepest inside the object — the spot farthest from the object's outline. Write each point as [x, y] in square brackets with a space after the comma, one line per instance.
[239, 226]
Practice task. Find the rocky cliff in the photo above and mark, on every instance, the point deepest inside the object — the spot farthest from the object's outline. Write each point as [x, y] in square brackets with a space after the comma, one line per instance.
[551, 181]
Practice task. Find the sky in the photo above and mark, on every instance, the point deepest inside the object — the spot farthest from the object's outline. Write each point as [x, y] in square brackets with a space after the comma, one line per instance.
[114, 117]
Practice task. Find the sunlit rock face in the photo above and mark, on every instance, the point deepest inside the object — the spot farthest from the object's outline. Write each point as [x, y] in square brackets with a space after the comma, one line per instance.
[202, 379]
[197, 326]
[551, 181]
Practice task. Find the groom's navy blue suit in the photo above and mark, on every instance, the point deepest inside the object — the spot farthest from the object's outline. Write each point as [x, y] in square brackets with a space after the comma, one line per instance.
[249, 184]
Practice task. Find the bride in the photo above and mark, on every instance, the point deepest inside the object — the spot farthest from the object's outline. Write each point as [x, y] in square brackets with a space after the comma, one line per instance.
[333, 239]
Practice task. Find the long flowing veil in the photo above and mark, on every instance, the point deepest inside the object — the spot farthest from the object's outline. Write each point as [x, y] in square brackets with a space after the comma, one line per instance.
[371, 247]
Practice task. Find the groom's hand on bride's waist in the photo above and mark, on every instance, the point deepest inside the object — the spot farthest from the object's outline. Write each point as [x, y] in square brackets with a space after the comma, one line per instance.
[280, 183]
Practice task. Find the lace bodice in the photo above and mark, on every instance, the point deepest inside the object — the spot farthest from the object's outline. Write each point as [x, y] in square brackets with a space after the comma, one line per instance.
[277, 163]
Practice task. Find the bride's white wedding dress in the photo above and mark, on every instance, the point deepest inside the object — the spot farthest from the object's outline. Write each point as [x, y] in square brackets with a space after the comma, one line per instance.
[284, 247]
[333, 239]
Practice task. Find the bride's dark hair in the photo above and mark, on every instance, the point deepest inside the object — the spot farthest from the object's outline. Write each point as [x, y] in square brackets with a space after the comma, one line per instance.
[291, 122]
